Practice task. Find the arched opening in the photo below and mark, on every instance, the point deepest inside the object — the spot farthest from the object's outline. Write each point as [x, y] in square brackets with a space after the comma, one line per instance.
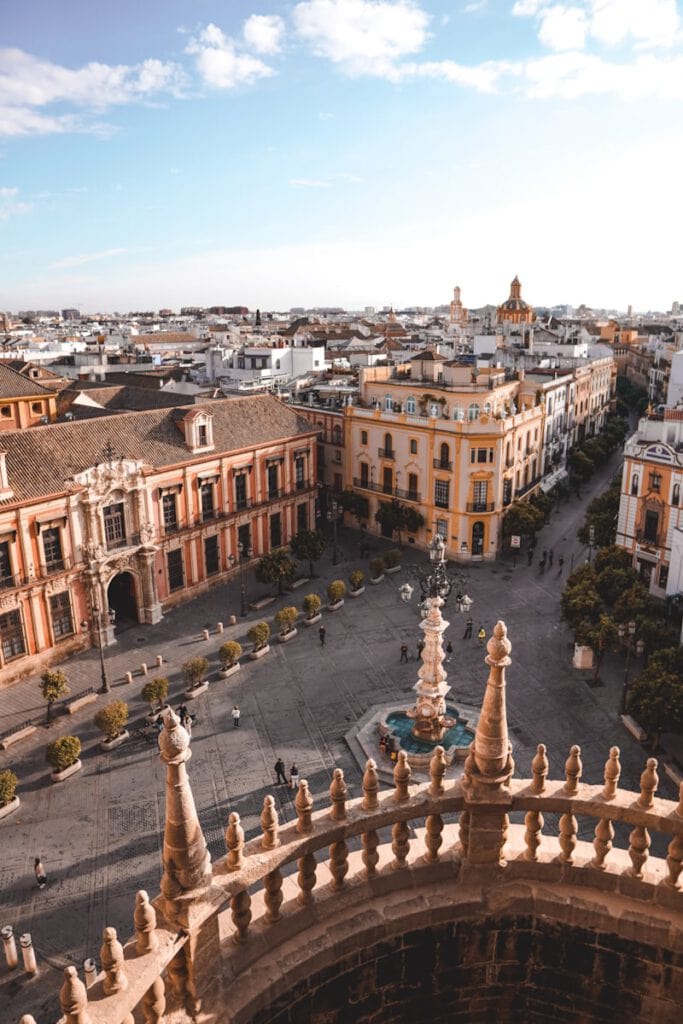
[478, 538]
[121, 597]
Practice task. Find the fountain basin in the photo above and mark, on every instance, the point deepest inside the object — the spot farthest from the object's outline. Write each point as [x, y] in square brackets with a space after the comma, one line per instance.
[456, 740]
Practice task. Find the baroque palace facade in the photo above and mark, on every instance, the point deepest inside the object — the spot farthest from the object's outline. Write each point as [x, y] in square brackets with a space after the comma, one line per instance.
[132, 514]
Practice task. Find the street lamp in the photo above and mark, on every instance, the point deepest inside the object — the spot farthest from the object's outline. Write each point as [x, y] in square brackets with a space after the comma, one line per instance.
[438, 582]
[244, 552]
[96, 622]
[627, 637]
[591, 542]
[332, 516]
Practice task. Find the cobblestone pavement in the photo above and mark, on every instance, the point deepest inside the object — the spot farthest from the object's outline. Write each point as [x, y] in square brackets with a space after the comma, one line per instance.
[99, 834]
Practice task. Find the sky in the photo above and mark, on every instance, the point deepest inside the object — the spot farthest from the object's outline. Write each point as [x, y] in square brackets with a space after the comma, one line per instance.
[168, 153]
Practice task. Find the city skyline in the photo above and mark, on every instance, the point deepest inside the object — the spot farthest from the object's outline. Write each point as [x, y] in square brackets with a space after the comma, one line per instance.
[339, 153]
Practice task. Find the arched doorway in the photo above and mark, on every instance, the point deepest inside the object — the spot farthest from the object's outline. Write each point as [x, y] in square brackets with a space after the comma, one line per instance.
[478, 538]
[121, 597]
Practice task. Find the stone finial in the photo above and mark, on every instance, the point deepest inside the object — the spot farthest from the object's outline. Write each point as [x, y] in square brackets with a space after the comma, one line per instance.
[437, 770]
[73, 998]
[679, 809]
[187, 864]
[339, 793]
[145, 921]
[539, 769]
[111, 958]
[370, 785]
[573, 768]
[234, 841]
[612, 774]
[491, 752]
[303, 805]
[649, 781]
[27, 1019]
[402, 775]
[270, 825]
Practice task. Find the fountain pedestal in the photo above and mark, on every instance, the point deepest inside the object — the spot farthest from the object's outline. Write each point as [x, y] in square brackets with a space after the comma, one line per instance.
[429, 712]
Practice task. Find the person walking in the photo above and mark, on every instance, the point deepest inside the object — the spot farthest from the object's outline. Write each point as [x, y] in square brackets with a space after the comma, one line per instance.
[560, 562]
[39, 872]
[404, 652]
[481, 636]
[530, 555]
[551, 555]
[468, 629]
[236, 716]
[321, 636]
[280, 771]
[294, 777]
[449, 651]
[420, 645]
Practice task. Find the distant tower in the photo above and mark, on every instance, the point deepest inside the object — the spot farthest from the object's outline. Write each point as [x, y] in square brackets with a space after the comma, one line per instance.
[458, 314]
[515, 310]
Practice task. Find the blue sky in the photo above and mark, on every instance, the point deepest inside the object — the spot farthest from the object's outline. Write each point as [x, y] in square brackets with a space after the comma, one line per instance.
[339, 152]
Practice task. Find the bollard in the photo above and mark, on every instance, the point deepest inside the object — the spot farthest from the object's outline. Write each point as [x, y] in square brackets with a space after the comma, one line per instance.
[232, 621]
[219, 627]
[10, 947]
[160, 660]
[28, 954]
[205, 634]
[90, 969]
[129, 677]
[143, 669]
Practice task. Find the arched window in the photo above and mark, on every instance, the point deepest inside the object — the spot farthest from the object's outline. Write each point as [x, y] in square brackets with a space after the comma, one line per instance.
[388, 449]
[634, 484]
[388, 403]
[458, 413]
[478, 538]
[676, 495]
[410, 404]
[473, 412]
[434, 409]
[444, 456]
[487, 408]
[336, 434]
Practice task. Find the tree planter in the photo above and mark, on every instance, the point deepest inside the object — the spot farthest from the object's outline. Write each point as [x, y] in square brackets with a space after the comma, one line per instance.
[116, 742]
[357, 593]
[154, 716]
[391, 570]
[314, 618]
[284, 638]
[225, 673]
[335, 606]
[197, 691]
[66, 772]
[377, 579]
[259, 654]
[9, 808]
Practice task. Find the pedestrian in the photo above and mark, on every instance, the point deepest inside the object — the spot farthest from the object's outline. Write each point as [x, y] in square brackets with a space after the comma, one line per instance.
[560, 562]
[481, 636]
[420, 647]
[404, 652]
[530, 555]
[294, 777]
[321, 634]
[39, 872]
[468, 629]
[541, 565]
[449, 650]
[280, 771]
[551, 555]
[236, 716]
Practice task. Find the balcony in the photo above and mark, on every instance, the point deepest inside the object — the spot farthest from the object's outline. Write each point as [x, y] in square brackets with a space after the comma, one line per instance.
[55, 565]
[386, 453]
[407, 495]
[131, 541]
[479, 506]
[274, 493]
[208, 514]
[441, 503]
[9, 581]
[441, 464]
[521, 491]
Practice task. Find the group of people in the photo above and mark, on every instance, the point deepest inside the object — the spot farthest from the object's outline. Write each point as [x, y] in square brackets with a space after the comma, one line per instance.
[280, 776]
[187, 719]
[481, 637]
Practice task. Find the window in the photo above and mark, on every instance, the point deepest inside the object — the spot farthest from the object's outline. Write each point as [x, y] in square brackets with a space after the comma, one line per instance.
[337, 483]
[211, 555]
[413, 446]
[241, 490]
[387, 481]
[441, 493]
[676, 495]
[114, 525]
[176, 572]
[507, 491]
[655, 482]
[364, 474]
[388, 450]
[6, 410]
[412, 486]
[634, 484]
[482, 454]
[410, 404]
[473, 412]
[299, 473]
[37, 407]
[651, 525]
[6, 577]
[444, 456]
[275, 530]
[388, 403]
[12, 635]
[434, 409]
[206, 498]
[441, 528]
[663, 575]
[52, 548]
[480, 495]
[202, 435]
[458, 413]
[244, 541]
[301, 517]
[60, 614]
[170, 513]
[337, 456]
[487, 408]
[363, 437]
[336, 434]
[272, 476]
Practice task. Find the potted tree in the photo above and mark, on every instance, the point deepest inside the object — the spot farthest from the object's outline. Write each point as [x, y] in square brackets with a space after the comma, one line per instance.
[377, 570]
[53, 686]
[357, 579]
[63, 755]
[194, 673]
[285, 619]
[312, 606]
[258, 635]
[392, 561]
[276, 567]
[9, 801]
[335, 592]
[111, 720]
[229, 655]
[155, 692]
[308, 545]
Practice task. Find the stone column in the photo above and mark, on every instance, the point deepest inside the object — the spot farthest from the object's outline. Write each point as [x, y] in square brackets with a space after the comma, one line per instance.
[150, 610]
[489, 764]
[431, 688]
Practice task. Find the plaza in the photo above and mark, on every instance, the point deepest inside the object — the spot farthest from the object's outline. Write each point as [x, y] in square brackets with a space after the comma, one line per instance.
[99, 834]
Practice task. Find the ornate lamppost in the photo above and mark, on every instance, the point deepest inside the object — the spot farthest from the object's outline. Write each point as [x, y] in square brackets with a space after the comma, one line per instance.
[627, 636]
[96, 622]
[333, 510]
[244, 551]
[439, 582]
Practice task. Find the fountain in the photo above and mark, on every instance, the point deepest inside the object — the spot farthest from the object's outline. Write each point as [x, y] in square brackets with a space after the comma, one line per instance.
[429, 713]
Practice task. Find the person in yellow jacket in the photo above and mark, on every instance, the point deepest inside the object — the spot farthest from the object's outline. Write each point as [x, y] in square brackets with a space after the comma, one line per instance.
[481, 636]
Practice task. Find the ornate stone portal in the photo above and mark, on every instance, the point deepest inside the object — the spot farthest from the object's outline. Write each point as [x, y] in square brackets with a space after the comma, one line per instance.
[429, 712]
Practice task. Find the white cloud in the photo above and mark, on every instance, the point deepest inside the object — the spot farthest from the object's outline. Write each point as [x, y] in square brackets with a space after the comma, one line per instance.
[527, 8]
[473, 6]
[563, 28]
[10, 205]
[363, 36]
[571, 75]
[90, 257]
[6, 192]
[309, 183]
[482, 77]
[650, 22]
[220, 64]
[263, 33]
